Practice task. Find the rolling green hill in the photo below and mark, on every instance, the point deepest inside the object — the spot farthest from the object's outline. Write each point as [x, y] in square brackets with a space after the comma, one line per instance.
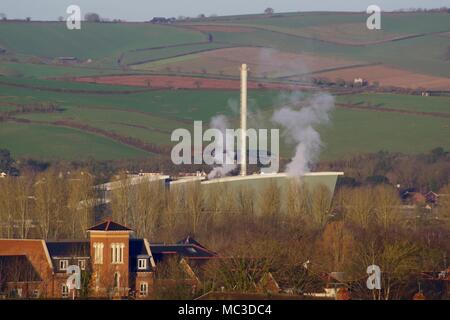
[55, 143]
[152, 116]
[113, 122]
[94, 41]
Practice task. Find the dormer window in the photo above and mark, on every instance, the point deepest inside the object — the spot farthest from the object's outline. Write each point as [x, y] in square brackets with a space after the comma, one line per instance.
[142, 264]
[63, 264]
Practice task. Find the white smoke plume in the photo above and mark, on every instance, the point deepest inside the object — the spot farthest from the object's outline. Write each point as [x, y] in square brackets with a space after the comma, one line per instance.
[225, 160]
[299, 118]
[274, 63]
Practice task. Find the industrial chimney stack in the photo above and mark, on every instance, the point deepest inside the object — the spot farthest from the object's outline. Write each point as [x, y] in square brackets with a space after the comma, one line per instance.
[244, 73]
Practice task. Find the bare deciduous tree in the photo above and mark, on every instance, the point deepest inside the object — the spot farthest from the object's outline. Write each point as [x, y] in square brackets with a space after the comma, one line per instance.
[81, 201]
[122, 198]
[50, 203]
[147, 208]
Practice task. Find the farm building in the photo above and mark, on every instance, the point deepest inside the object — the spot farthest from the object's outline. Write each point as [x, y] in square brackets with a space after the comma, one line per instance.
[359, 82]
[162, 20]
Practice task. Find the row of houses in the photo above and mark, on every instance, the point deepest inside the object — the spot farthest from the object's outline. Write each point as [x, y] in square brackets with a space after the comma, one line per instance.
[119, 266]
[413, 196]
[115, 265]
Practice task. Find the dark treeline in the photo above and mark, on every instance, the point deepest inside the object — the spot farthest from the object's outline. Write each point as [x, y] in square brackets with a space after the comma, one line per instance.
[30, 108]
[424, 172]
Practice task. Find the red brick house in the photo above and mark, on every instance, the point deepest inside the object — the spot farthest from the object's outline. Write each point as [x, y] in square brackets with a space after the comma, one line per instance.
[113, 264]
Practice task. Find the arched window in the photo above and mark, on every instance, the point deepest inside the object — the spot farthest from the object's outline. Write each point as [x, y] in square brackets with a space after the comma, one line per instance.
[116, 280]
[98, 252]
[117, 252]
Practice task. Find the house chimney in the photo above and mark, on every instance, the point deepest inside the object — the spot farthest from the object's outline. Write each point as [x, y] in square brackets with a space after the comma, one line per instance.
[244, 72]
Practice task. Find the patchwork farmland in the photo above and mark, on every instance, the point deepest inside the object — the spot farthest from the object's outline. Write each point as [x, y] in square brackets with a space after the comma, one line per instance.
[130, 84]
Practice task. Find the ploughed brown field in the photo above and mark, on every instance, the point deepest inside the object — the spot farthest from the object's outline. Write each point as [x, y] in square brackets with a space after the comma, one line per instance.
[181, 82]
[388, 76]
[263, 62]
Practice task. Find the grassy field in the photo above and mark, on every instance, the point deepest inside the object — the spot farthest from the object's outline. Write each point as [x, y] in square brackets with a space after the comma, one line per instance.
[309, 24]
[133, 57]
[182, 104]
[150, 115]
[95, 41]
[426, 54]
[353, 132]
[50, 142]
[32, 70]
[400, 102]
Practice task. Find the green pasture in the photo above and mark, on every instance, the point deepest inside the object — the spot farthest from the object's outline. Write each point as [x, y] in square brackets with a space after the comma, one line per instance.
[141, 56]
[51, 142]
[398, 101]
[151, 116]
[94, 41]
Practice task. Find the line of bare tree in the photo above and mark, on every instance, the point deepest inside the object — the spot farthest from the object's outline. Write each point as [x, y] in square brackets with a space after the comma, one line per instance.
[278, 230]
[49, 205]
[291, 232]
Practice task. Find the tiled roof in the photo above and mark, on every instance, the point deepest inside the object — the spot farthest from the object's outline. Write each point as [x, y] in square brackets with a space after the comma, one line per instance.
[68, 249]
[17, 269]
[189, 249]
[137, 250]
[109, 225]
[190, 240]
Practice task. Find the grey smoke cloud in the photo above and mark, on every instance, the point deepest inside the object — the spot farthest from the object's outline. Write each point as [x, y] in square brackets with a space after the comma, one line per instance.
[299, 118]
[225, 161]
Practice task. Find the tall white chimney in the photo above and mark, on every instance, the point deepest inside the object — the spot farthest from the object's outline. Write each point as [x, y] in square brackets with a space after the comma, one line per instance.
[244, 72]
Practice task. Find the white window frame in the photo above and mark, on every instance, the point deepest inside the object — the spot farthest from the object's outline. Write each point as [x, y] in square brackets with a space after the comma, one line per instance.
[143, 285]
[117, 250]
[36, 293]
[64, 291]
[98, 252]
[82, 264]
[63, 264]
[142, 264]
